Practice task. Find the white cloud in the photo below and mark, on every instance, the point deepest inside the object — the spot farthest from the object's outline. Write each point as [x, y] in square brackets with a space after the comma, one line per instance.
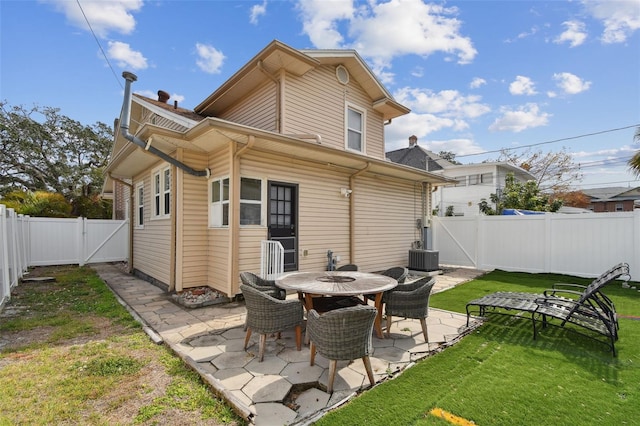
[257, 10]
[321, 18]
[125, 57]
[620, 18]
[210, 59]
[447, 103]
[104, 16]
[525, 117]
[412, 27]
[571, 84]
[522, 86]
[477, 82]
[574, 34]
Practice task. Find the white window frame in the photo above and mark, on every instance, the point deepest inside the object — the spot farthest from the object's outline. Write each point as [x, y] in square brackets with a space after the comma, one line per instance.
[161, 192]
[216, 208]
[347, 127]
[139, 203]
[259, 202]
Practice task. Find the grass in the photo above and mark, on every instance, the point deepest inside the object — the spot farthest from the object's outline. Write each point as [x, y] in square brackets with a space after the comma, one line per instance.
[71, 354]
[499, 375]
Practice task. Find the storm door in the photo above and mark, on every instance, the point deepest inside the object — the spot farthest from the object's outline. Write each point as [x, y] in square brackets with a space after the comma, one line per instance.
[283, 219]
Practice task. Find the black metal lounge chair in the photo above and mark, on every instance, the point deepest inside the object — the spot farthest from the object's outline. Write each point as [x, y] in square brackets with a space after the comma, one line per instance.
[584, 306]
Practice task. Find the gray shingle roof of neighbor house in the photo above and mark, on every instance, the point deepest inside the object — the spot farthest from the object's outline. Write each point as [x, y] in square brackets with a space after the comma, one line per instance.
[613, 192]
[418, 157]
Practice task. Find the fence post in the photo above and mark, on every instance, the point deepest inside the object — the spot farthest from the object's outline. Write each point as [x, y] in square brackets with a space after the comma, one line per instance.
[80, 239]
[5, 291]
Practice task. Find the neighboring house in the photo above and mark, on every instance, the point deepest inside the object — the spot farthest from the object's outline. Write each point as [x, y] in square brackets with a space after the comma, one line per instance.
[613, 199]
[290, 148]
[474, 182]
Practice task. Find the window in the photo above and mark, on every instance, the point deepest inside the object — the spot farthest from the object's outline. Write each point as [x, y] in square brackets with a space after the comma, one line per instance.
[219, 202]
[355, 129]
[140, 205]
[162, 192]
[486, 178]
[619, 207]
[462, 180]
[474, 179]
[250, 201]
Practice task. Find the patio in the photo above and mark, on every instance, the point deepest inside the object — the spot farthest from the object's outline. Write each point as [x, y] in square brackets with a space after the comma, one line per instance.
[284, 388]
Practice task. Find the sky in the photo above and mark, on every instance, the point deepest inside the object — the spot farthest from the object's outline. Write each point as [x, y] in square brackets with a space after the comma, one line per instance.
[478, 76]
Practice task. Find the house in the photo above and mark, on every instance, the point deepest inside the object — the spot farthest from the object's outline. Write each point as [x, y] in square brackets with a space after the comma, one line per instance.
[473, 182]
[613, 199]
[290, 148]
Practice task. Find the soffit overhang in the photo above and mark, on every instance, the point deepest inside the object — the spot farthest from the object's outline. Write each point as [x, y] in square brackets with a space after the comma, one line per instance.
[214, 134]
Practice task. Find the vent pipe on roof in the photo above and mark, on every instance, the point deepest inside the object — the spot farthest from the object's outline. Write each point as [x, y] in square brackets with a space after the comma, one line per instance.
[124, 129]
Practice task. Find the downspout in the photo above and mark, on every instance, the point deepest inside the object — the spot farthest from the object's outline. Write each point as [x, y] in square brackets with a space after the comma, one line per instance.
[278, 96]
[131, 218]
[124, 130]
[234, 202]
[352, 214]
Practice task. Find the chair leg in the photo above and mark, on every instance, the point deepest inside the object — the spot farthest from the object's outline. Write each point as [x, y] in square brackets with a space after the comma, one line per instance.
[332, 374]
[312, 354]
[367, 366]
[423, 323]
[246, 338]
[263, 342]
[299, 337]
[388, 325]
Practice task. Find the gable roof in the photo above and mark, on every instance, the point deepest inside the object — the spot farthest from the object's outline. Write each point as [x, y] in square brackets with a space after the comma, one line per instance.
[418, 157]
[277, 55]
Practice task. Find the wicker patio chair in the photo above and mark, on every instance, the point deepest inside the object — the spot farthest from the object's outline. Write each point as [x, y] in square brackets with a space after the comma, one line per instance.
[348, 267]
[266, 286]
[397, 272]
[410, 301]
[266, 315]
[342, 334]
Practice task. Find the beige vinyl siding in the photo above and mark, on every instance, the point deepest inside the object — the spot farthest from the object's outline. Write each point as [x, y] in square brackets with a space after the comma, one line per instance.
[219, 239]
[152, 244]
[385, 218]
[323, 216]
[256, 110]
[192, 250]
[316, 103]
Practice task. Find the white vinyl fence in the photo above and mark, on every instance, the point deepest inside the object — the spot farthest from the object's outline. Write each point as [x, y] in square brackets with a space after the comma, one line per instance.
[574, 244]
[39, 241]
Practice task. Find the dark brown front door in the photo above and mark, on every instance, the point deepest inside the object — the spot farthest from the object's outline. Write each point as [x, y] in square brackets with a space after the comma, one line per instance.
[283, 219]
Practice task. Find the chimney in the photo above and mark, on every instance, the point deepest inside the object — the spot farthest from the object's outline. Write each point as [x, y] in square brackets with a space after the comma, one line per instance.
[163, 96]
[413, 141]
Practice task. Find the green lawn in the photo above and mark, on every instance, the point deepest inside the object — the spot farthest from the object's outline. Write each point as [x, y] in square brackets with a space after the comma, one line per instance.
[499, 375]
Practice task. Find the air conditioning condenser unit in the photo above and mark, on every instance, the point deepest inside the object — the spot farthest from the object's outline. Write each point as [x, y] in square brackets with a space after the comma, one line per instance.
[423, 260]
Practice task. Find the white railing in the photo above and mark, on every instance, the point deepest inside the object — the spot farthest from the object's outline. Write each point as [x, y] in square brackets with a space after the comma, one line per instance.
[39, 241]
[573, 244]
[271, 259]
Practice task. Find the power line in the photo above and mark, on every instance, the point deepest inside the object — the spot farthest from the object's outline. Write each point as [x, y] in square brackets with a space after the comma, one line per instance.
[99, 45]
[552, 141]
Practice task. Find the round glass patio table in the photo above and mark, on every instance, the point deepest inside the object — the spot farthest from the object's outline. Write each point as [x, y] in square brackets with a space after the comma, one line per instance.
[339, 283]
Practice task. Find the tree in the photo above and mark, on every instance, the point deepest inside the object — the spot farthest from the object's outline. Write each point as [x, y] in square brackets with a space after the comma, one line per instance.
[38, 204]
[518, 195]
[44, 151]
[554, 171]
[572, 199]
[634, 162]
[449, 156]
